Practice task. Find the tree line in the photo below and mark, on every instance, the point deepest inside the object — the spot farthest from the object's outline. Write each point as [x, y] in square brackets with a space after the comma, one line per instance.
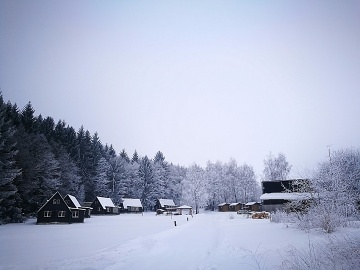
[39, 157]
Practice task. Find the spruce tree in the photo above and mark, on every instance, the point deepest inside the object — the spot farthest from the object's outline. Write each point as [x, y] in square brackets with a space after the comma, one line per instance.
[9, 210]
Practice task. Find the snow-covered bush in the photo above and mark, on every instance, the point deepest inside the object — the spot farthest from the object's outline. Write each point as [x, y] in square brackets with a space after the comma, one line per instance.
[281, 216]
[336, 253]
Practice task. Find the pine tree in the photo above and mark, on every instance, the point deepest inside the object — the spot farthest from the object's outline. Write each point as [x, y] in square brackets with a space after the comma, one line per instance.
[124, 156]
[149, 189]
[104, 181]
[9, 210]
[28, 119]
[135, 157]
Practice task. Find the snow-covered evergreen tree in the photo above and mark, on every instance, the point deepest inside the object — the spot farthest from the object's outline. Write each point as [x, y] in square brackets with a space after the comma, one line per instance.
[9, 209]
[149, 188]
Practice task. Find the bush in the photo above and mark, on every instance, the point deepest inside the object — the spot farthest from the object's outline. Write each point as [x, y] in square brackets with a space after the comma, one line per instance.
[343, 253]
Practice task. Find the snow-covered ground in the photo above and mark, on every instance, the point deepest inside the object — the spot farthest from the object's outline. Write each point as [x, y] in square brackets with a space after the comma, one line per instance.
[205, 241]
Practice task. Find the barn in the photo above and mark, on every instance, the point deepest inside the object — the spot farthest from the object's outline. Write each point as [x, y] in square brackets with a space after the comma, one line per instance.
[104, 206]
[277, 193]
[132, 205]
[56, 210]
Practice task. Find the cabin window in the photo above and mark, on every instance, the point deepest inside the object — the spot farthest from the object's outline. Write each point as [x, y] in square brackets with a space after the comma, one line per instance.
[56, 201]
[61, 214]
[108, 209]
[99, 209]
[47, 213]
[75, 214]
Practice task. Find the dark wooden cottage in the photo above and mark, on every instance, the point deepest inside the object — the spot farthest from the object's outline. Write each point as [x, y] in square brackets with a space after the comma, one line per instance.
[55, 210]
[224, 207]
[131, 205]
[165, 204]
[276, 194]
[71, 201]
[253, 206]
[235, 206]
[104, 206]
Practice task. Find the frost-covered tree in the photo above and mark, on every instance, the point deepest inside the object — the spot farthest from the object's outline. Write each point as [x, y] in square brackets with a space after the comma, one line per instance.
[337, 183]
[148, 184]
[276, 168]
[194, 188]
[161, 175]
[249, 186]
[103, 179]
[70, 180]
[124, 156]
[135, 157]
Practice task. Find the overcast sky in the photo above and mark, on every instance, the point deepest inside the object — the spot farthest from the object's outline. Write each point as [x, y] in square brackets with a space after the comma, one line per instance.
[197, 80]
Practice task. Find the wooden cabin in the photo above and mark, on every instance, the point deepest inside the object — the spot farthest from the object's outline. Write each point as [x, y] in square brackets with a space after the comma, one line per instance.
[235, 207]
[56, 210]
[104, 206]
[165, 204]
[253, 206]
[224, 207]
[71, 201]
[277, 193]
[132, 205]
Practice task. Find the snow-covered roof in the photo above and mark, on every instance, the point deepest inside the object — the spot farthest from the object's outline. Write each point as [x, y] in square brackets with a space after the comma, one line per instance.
[167, 202]
[184, 207]
[250, 203]
[74, 201]
[105, 202]
[222, 204]
[131, 202]
[290, 196]
[234, 204]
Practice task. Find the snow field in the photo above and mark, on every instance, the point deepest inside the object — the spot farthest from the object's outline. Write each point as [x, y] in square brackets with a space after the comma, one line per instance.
[206, 241]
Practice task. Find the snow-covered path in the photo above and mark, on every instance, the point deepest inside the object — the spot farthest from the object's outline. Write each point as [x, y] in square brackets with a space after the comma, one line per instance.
[207, 241]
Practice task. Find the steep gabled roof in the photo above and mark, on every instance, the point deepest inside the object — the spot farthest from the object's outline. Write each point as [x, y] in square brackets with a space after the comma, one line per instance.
[105, 202]
[166, 202]
[49, 200]
[74, 200]
[131, 202]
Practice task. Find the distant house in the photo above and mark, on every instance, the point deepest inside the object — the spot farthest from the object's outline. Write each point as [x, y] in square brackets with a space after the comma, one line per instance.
[277, 193]
[165, 204]
[224, 207]
[235, 206]
[71, 201]
[184, 208]
[253, 206]
[104, 206]
[56, 210]
[132, 205]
